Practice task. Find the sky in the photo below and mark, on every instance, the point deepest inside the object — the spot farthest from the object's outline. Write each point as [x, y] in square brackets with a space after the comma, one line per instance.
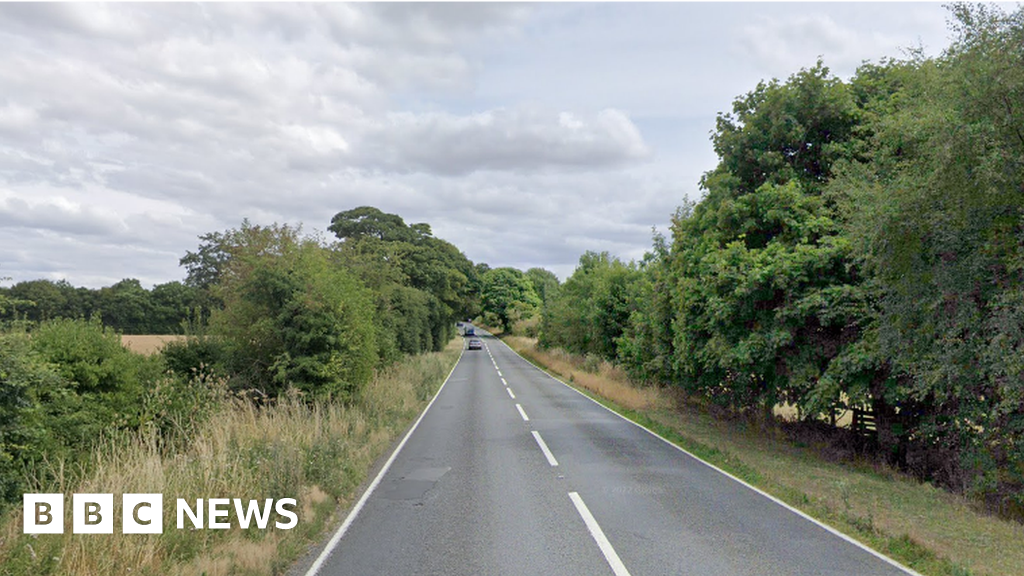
[524, 134]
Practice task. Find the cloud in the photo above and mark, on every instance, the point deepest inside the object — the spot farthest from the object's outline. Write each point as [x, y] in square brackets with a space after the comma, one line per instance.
[523, 133]
[503, 139]
[787, 44]
[60, 216]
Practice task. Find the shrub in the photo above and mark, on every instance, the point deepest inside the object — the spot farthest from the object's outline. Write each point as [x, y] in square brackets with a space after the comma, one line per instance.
[292, 319]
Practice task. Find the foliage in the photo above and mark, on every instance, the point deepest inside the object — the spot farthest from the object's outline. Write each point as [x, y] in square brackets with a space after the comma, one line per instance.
[23, 375]
[646, 348]
[367, 221]
[935, 214]
[200, 357]
[389, 254]
[591, 309]
[759, 323]
[291, 318]
[508, 296]
[783, 132]
[67, 385]
[545, 284]
[124, 306]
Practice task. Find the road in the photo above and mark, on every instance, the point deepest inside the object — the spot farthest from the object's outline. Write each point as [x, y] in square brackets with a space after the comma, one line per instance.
[510, 472]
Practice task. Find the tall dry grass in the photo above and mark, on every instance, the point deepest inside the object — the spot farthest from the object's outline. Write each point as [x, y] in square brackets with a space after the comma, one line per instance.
[318, 453]
[596, 375]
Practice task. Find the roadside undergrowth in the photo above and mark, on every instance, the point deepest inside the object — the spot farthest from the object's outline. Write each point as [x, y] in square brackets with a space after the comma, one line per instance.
[921, 526]
[318, 453]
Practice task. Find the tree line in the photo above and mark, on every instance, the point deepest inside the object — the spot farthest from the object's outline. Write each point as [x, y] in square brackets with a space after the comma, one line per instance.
[269, 311]
[860, 245]
[125, 306]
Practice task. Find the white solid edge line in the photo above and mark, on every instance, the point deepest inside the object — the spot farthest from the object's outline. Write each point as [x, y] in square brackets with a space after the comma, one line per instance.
[602, 541]
[326, 552]
[800, 513]
[509, 390]
[522, 413]
[544, 448]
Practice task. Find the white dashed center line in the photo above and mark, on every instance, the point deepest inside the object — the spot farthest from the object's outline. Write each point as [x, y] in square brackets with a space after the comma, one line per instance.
[509, 390]
[602, 541]
[544, 449]
[522, 413]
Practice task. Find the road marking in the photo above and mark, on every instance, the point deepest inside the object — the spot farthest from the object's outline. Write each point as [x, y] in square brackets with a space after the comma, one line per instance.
[503, 382]
[326, 552]
[499, 371]
[602, 541]
[749, 486]
[509, 390]
[522, 413]
[544, 449]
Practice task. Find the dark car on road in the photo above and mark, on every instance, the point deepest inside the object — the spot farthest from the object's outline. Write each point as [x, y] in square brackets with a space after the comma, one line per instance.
[475, 344]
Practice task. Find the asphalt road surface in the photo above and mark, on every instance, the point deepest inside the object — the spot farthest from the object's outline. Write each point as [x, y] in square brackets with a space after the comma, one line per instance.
[510, 472]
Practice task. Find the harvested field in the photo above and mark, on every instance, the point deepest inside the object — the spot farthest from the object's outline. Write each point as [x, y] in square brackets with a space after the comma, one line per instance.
[148, 343]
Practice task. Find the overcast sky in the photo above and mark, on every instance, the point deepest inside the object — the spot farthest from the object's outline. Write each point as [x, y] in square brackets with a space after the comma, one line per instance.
[523, 134]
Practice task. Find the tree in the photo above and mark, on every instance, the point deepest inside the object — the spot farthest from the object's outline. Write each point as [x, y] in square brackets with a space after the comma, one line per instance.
[369, 221]
[591, 310]
[291, 318]
[508, 295]
[646, 349]
[783, 132]
[545, 283]
[935, 216]
[409, 255]
[204, 266]
[126, 306]
[46, 299]
[173, 304]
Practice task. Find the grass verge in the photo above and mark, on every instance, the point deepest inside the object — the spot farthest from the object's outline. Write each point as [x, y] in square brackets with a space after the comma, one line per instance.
[923, 527]
[316, 453]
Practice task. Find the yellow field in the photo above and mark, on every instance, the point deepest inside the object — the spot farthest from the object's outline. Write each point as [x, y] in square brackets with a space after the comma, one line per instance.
[148, 343]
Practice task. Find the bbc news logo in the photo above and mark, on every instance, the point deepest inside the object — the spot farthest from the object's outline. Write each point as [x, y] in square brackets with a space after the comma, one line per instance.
[143, 513]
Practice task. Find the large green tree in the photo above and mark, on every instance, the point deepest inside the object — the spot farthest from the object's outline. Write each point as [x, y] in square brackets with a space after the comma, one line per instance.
[291, 318]
[508, 296]
[646, 349]
[591, 310]
[935, 215]
[409, 255]
[545, 283]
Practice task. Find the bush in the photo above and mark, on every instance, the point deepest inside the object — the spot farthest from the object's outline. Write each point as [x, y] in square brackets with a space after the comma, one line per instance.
[23, 375]
[292, 319]
[106, 378]
[61, 388]
[196, 358]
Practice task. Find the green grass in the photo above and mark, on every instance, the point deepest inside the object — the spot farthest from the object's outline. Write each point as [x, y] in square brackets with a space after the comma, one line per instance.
[923, 527]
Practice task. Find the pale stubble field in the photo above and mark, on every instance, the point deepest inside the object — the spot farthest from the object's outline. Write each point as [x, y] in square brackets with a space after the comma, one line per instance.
[148, 343]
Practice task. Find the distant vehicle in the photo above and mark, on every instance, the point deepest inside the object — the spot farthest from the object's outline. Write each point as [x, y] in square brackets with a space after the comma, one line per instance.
[469, 331]
[476, 344]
